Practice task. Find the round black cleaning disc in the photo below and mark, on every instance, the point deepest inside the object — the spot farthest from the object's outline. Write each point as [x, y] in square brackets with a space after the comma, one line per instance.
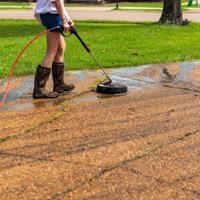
[111, 88]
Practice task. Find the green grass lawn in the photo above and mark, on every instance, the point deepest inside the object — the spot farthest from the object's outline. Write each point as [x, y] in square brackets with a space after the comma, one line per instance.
[141, 4]
[121, 4]
[15, 4]
[115, 44]
[129, 5]
[8, 5]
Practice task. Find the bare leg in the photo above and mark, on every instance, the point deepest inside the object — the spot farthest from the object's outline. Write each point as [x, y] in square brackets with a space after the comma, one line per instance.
[53, 40]
[59, 57]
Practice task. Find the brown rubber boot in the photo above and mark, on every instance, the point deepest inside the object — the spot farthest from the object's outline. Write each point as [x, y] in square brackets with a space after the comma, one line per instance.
[41, 77]
[58, 79]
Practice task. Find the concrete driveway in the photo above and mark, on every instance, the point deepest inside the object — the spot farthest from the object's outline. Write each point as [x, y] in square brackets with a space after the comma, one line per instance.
[86, 146]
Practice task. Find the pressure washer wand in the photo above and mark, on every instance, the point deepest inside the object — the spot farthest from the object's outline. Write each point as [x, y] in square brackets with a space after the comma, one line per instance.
[74, 31]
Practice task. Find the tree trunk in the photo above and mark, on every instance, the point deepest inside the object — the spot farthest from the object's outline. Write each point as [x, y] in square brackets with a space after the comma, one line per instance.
[172, 12]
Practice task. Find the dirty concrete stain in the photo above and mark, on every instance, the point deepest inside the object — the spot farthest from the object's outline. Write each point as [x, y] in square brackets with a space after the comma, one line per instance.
[137, 146]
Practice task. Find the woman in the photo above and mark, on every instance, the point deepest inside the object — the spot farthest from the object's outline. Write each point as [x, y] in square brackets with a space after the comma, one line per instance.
[52, 13]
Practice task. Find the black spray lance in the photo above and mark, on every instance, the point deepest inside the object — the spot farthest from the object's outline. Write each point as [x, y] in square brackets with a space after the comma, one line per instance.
[74, 31]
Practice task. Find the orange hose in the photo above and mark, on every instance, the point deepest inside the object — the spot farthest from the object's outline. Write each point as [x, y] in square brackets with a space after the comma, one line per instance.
[15, 63]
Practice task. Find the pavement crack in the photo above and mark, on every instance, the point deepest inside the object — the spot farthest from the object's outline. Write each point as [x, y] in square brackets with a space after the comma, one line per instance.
[34, 159]
[162, 181]
[109, 169]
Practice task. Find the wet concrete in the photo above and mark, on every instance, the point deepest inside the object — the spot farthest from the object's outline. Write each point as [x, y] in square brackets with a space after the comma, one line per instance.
[135, 78]
[143, 145]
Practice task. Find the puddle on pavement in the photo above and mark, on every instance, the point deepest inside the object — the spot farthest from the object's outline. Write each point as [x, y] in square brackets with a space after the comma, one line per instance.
[106, 96]
[126, 76]
[185, 72]
[22, 91]
[132, 83]
[80, 75]
[32, 105]
[94, 96]
[134, 77]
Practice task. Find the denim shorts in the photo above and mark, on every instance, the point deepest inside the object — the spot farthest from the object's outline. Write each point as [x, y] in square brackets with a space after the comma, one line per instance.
[50, 21]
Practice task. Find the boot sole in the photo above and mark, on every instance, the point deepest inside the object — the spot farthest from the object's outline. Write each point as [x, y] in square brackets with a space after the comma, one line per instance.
[45, 97]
